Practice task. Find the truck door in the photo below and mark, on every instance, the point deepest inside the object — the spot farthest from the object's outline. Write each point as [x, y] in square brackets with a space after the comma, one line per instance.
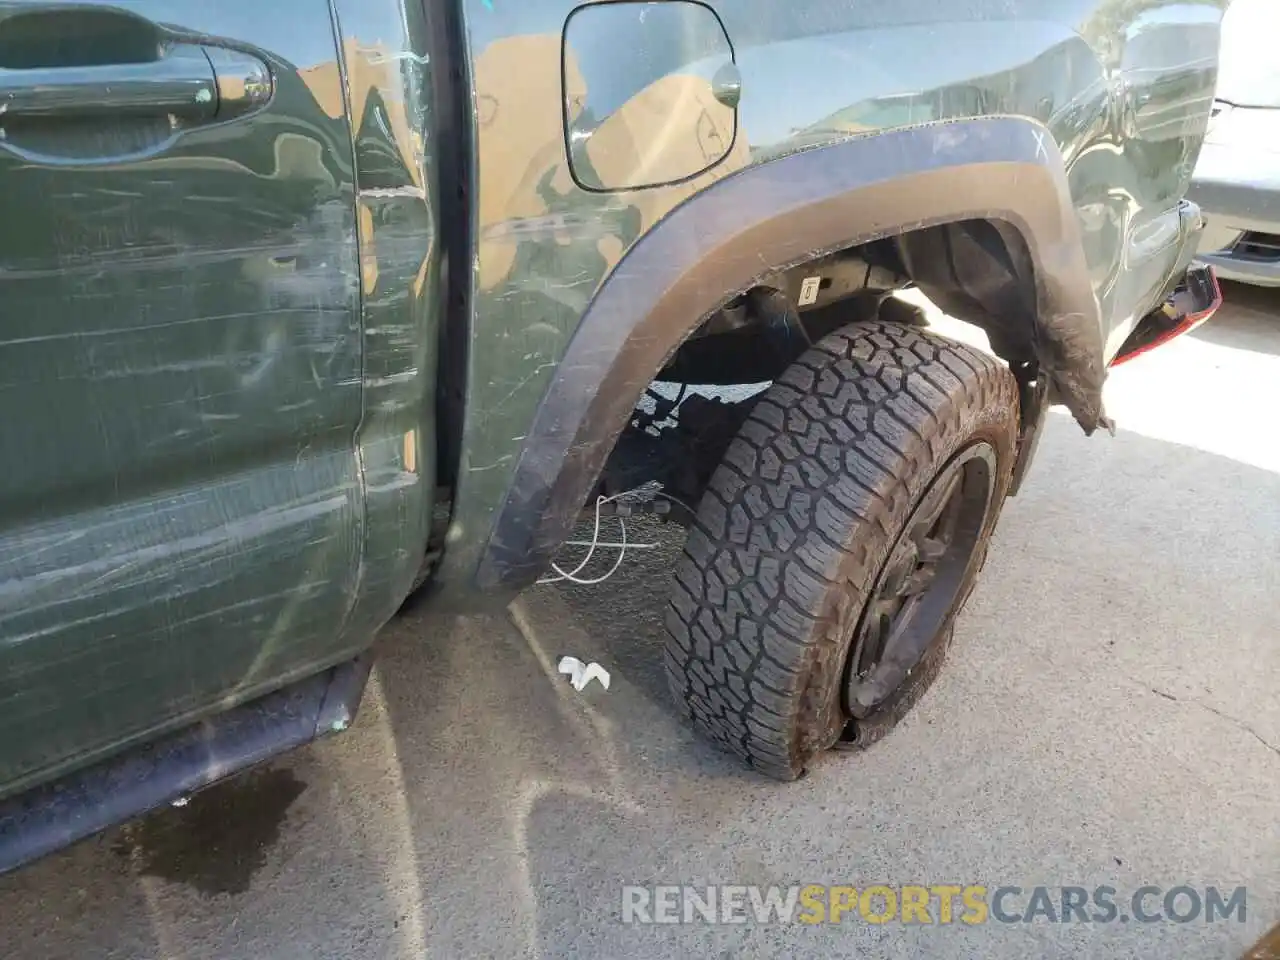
[181, 503]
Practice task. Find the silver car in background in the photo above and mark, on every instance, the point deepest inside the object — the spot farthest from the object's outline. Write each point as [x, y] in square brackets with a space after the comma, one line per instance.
[1237, 180]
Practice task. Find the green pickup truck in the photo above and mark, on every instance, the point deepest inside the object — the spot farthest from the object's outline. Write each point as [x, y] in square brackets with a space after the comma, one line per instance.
[315, 308]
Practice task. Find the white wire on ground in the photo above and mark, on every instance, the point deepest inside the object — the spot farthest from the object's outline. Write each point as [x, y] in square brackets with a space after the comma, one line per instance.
[595, 542]
[622, 553]
[595, 536]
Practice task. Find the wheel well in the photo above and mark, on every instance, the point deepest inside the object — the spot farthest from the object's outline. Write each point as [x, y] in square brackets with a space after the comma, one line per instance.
[981, 272]
[978, 271]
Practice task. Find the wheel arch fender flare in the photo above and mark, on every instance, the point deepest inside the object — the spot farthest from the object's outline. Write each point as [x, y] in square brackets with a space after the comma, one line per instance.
[775, 215]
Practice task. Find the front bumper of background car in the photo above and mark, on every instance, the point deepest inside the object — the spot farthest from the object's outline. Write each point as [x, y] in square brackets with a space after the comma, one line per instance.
[1237, 185]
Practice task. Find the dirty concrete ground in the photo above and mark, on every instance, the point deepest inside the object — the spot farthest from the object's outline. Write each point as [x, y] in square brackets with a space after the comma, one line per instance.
[1109, 716]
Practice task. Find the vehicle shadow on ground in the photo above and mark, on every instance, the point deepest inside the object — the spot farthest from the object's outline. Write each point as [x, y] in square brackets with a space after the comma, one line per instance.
[480, 806]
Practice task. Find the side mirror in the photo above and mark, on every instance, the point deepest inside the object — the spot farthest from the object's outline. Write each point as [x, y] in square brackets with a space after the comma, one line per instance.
[650, 93]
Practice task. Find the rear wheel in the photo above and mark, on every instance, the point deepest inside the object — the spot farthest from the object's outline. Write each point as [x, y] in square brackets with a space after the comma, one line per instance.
[837, 542]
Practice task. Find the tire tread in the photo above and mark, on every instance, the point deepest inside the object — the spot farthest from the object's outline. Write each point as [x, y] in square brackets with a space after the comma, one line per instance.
[808, 495]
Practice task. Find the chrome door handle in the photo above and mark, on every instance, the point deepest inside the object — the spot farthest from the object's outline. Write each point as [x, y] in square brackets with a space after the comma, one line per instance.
[198, 84]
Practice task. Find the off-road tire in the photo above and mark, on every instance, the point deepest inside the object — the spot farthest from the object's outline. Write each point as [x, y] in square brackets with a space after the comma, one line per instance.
[797, 522]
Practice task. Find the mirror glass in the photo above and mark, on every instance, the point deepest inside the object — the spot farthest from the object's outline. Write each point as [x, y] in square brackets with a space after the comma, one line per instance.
[650, 93]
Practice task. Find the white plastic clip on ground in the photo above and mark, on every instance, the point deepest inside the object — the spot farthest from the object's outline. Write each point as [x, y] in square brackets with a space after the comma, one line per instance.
[580, 674]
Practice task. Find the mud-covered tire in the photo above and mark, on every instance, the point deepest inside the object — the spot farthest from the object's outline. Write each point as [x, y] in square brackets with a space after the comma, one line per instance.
[797, 523]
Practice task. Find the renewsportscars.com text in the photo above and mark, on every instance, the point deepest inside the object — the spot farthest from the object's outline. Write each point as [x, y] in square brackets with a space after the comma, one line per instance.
[970, 904]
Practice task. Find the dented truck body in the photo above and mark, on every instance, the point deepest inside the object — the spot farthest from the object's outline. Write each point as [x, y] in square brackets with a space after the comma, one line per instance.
[308, 306]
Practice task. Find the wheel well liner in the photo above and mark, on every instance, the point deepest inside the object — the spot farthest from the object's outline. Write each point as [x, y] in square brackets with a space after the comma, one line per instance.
[772, 216]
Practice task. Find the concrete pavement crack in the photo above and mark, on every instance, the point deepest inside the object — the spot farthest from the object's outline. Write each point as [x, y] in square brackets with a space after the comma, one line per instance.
[1235, 721]
[1241, 725]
